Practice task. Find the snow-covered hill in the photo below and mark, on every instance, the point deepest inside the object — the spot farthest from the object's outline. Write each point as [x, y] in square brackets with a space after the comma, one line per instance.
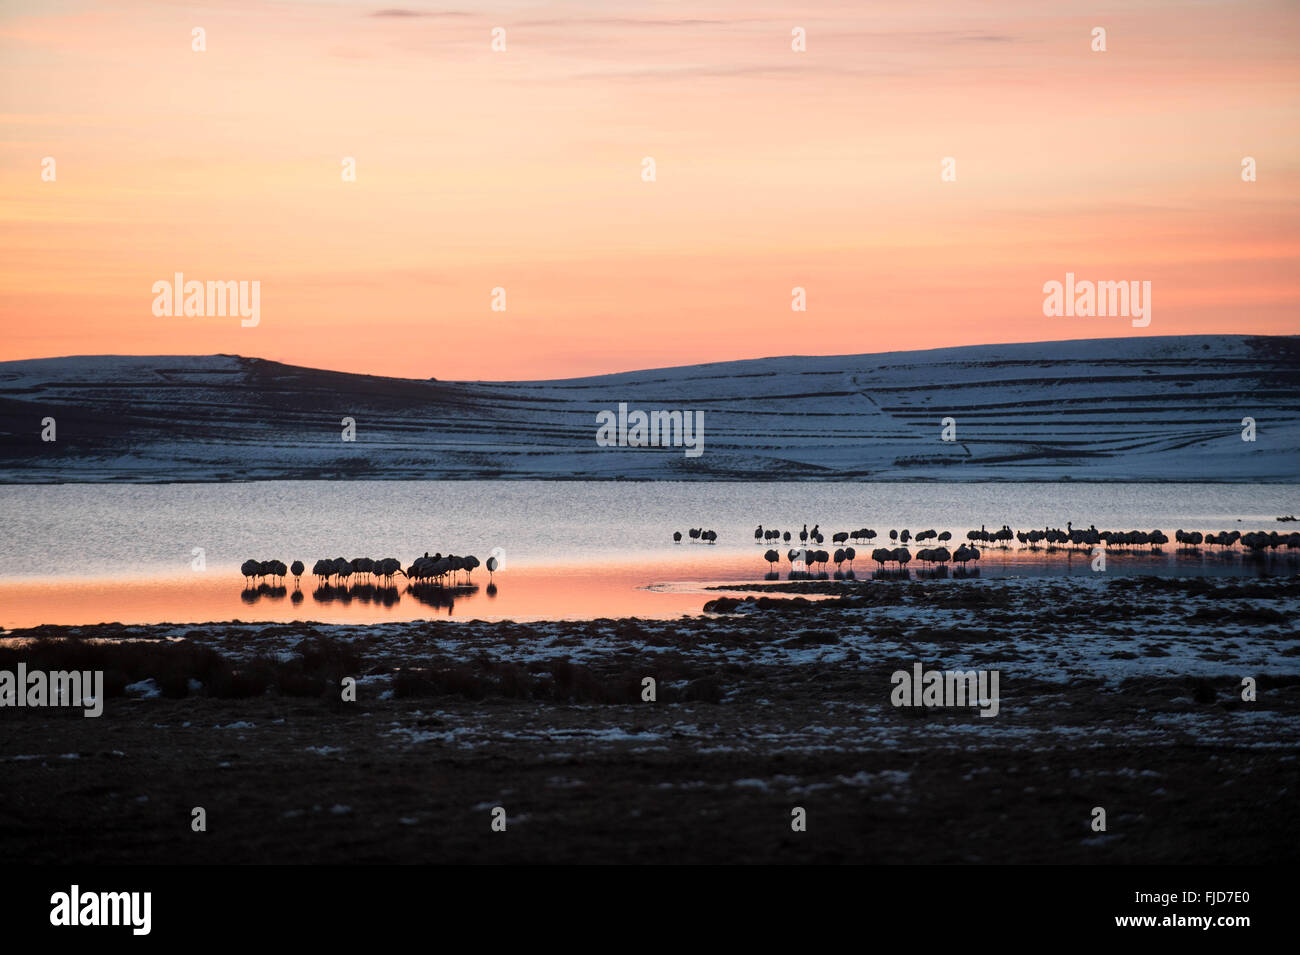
[1148, 409]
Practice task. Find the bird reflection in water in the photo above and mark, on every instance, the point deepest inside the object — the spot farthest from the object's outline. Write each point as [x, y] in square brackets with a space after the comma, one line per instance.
[251, 595]
[436, 595]
[363, 593]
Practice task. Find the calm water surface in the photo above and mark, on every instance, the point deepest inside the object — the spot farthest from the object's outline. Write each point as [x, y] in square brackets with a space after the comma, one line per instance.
[94, 553]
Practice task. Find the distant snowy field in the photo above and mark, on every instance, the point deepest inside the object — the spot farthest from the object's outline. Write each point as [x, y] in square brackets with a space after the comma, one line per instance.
[1131, 409]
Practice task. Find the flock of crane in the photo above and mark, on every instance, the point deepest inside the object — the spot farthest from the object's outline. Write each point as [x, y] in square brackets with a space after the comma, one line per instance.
[1255, 542]
[802, 558]
[436, 570]
[697, 534]
[440, 570]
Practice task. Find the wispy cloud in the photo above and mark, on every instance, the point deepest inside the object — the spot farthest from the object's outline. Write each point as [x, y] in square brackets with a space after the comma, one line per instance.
[397, 12]
[626, 22]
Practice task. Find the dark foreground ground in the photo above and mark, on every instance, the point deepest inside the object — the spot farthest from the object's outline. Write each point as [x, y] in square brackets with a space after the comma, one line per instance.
[1120, 694]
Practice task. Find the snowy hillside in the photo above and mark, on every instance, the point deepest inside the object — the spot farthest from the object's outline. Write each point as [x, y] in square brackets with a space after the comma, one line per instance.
[1150, 409]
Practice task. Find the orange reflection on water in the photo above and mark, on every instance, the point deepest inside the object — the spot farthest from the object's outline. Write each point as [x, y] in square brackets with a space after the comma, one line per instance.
[528, 592]
[522, 594]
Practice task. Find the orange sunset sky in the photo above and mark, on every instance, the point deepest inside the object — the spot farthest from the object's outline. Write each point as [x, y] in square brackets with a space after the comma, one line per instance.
[522, 169]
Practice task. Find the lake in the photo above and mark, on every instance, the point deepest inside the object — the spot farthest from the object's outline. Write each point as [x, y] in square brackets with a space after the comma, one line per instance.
[94, 553]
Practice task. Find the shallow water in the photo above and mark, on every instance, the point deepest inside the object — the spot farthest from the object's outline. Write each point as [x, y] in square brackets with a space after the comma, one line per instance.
[95, 553]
